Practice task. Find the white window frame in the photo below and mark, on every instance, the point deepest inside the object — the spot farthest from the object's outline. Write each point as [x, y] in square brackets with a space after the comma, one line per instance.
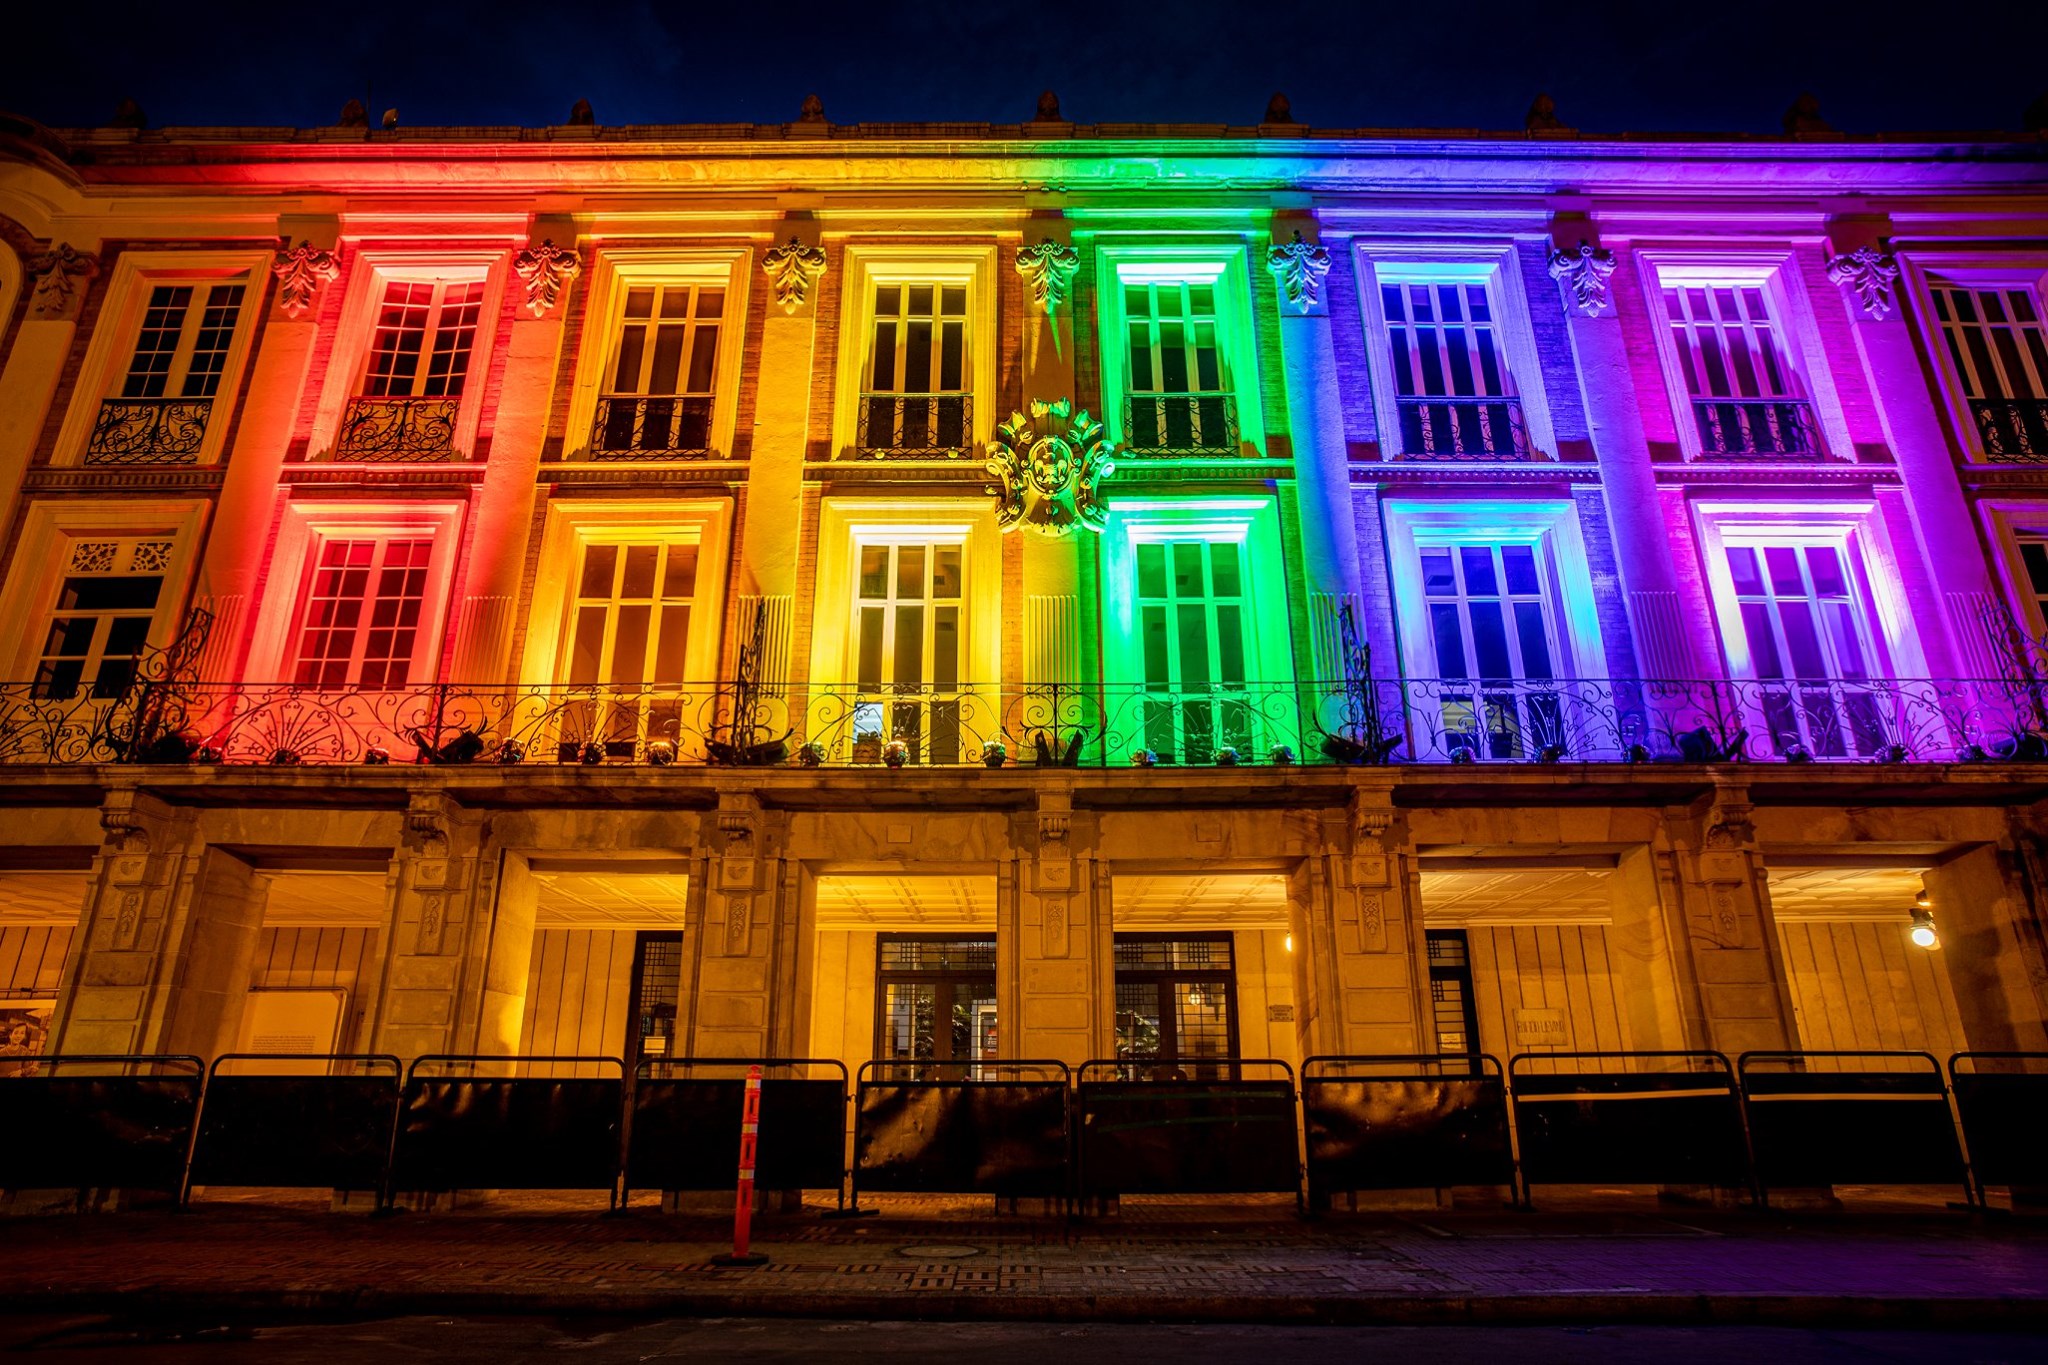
[846, 524]
[370, 270]
[49, 528]
[616, 271]
[1251, 523]
[868, 265]
[1855, 528]
[365, 626]
[1548, 526]
[1496, 266]
[1222, 264]
[114, 334]
[2006, 523]
[1775, 270]
[303, 528]
[1921, 272]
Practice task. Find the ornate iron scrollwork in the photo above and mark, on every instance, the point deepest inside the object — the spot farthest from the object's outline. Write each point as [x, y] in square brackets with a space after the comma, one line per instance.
[132, 431]
[398, 429]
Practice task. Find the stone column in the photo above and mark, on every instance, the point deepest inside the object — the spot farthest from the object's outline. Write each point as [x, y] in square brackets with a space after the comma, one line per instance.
[1315, 417]
[1635, 516]
[1993, 942]
[1052, 943]
[239, 542]
[1949, 545]
[57, 279]
[489, 584]
[745, 934]
[1732, 986]
[454, 978]
[1357, 927]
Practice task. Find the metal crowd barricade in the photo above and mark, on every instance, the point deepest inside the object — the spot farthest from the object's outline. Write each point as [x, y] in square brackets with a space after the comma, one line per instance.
[1169, 1134]
[330, 1128]
[1628, 1118]
[997, 1128]
[1849, 1118]
[2002, 1100]
[1396, 1121]
[461, 1130]
[119, 1121]
[684, 1132]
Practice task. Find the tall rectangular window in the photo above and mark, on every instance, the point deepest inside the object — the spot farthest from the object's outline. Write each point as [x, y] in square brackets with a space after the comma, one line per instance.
[935, 999]
[1802, 618]
[1192, 619]
[423, 321]
[1175, 1003]
[1490, 625]
[360, 623]
[662, 380]
[1450, 993]
[1745, 395]
[1450, 372]
[99, 625]
[916, 399]
[182, 349]
[1177, 397]
[1998, 343]
[629, 640]
[908, 631]
[2034, 560]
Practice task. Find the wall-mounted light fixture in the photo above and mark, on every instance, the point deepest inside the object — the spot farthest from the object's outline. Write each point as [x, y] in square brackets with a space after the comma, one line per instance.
[1290, 942]
[1922, 933]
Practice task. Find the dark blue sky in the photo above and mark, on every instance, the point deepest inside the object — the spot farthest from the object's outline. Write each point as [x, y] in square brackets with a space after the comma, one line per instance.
[1717, 65]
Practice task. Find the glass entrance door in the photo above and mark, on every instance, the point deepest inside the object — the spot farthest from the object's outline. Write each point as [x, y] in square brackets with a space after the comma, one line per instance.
[935, 999]
[1176, 1009]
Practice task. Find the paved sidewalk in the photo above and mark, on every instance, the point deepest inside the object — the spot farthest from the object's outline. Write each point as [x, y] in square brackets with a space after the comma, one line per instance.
[940, 1259]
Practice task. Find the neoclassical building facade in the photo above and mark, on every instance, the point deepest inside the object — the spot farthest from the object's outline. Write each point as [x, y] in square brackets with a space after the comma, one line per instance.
[958, 593]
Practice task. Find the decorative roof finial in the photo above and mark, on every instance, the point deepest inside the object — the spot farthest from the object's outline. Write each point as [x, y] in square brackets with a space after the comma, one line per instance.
[1048, 109]
[813, 110]
[1542, 115]
[391, 118]
[1804, 116]
[353, 115]
[1279, 109]
[581, 115]
[128, 114]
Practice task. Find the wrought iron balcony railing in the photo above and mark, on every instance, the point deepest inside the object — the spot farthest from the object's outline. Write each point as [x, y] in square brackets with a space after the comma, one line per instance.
[1463, 429]
[2013, 430]
[138, 431]
[915, 425]
[1756, 428]
[398, 429]
[1180, 424]
[659, 428]
[1411, 721]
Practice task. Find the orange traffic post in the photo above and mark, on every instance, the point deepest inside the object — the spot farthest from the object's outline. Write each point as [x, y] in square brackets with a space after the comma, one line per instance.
[743, 1203]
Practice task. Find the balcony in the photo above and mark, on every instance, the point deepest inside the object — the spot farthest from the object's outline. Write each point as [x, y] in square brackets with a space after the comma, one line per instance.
[915, 426]
[148, 431]
[1437, 428]
[1455, 721]
[2012, 430]
[398, 430]
[639, 428]
[1756, 428]
[1170, 424]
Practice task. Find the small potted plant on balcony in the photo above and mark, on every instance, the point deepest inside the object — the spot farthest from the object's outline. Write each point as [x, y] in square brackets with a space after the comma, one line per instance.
[1226, 757]
[1144, 758]
[895, 753]
[994, 754]
[1280, 755]
[811, 755]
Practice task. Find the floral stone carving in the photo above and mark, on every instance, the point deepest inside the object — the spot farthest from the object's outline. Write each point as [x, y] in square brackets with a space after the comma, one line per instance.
[1870, 273]
[547, 270]
[59, 273]
[1584, 274]
[300, 271]
[1300, 267]
[1050, 478]
[793, 268]
[1049, 269]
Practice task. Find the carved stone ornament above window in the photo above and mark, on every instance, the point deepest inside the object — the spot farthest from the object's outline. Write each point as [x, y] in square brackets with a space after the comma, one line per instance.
[793, 268]
[1050, 480]
[547, 270]
[1049, 269]
[1300, 267]
[1583, 273]
[301, 271]
[60, 275]
[1870, 273]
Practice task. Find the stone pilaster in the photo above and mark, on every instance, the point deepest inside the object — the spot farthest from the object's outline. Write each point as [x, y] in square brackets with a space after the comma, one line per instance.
[1634, 516]
[1713, 881]
[454, 977]
[772, 534]
[1054, 973]
[1868, 279]
[1357, 929]
[57, 281]
[747, 937]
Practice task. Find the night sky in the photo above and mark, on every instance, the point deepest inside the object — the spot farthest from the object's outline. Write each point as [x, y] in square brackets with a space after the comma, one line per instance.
[1707, 65]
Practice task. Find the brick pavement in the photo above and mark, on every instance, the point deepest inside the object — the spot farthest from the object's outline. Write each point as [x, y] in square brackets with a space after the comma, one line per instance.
[1193, 1261]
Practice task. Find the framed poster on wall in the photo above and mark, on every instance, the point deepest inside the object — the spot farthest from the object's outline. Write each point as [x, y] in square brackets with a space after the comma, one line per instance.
[24, 1035]
[293, 1022]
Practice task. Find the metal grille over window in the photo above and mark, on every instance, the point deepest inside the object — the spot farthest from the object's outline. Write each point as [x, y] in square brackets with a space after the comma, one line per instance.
[1745, 399]
[1177, 401]
[935, 999]
[657, 987]
[1175, 1004]
[916, 402]
[167, 395]
[1450, 378]
[99, 625]
[658, 405]
[2000, 349]
[407, 410]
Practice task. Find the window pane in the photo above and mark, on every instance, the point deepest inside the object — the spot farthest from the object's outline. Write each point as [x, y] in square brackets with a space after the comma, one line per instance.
[868, 675]
[1223, 563]
[1530, 635]
[1763, 642]
[629, 645]
[1438, 578]
[1490, 641]
[1152, 569]
[1187, 570]
[874, 571]
[1518, 564]
[679, 578]
[1782, 561]
[672, 648]
[909, 660]
[1194, 645]
[945, 647]
[945, 571]
[1742, 567]
[1450, 640]
[638, 580]
[1477, 562]
[910, 572]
